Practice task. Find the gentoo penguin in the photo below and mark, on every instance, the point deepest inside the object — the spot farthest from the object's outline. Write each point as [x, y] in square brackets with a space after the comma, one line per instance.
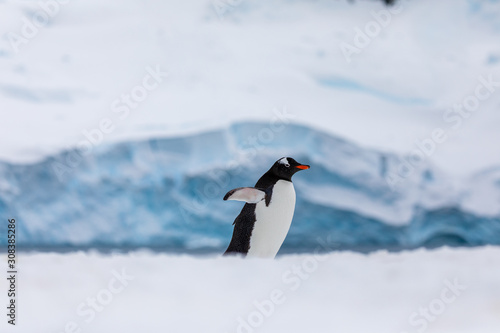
[264, 221]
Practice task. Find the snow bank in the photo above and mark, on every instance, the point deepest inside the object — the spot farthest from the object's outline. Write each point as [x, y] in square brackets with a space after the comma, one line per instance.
[457, 290]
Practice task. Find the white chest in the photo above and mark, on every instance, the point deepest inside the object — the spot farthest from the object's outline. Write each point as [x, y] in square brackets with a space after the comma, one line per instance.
[273, 221]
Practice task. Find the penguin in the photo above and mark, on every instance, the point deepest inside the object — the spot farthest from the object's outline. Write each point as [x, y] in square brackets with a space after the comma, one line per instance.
[264, 221]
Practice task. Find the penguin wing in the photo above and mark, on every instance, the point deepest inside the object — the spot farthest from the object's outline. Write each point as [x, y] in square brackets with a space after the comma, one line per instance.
[246, 194]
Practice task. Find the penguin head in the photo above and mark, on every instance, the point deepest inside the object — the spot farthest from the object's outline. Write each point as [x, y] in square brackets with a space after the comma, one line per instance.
[286, 167]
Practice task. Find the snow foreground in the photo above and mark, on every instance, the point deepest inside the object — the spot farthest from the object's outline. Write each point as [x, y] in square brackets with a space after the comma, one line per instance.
[444, 290]
[167, 193]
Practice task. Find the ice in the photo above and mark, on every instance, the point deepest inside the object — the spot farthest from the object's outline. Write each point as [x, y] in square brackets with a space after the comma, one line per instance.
[168, 193]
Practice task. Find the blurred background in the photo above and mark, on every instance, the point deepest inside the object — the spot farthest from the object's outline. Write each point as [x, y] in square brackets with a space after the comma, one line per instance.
[124, 123]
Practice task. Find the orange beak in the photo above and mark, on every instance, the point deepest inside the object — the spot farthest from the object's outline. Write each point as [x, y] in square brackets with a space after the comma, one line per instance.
[303, 167]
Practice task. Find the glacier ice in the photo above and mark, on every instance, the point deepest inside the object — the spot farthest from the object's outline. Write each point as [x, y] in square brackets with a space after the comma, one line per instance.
[166, 193]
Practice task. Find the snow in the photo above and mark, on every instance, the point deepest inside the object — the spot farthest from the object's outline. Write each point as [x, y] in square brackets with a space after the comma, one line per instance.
[340, 291]
[217, 93]
[243, 64]
[221, 97]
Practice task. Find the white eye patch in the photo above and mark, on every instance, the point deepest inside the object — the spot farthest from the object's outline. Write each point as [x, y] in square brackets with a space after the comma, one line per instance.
[285, 162]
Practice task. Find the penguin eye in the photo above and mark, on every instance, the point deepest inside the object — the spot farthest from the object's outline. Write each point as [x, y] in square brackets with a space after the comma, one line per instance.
[287, 165]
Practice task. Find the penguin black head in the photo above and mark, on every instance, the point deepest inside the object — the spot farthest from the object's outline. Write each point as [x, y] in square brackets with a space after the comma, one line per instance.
[286, 167]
